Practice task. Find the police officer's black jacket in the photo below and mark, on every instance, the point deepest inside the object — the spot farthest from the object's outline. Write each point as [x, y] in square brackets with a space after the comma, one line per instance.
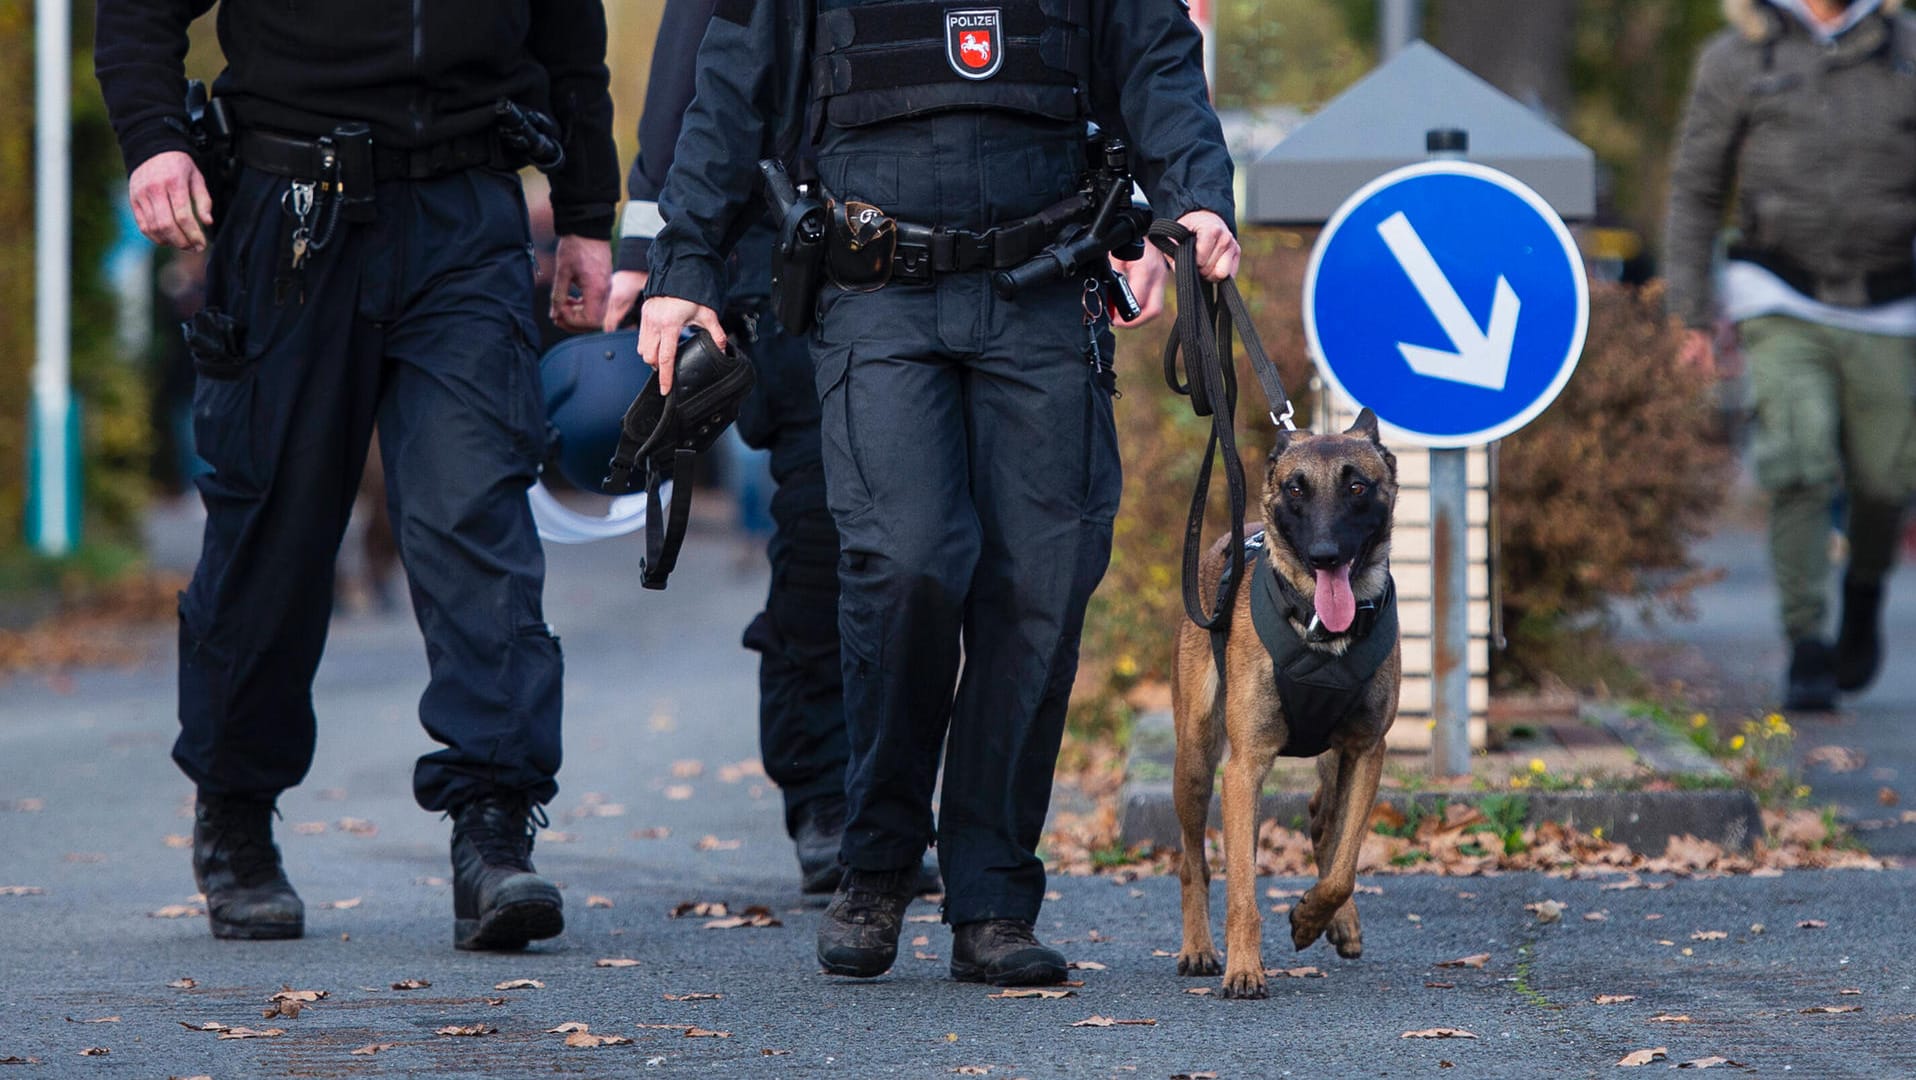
[757, 73]
[419, 72]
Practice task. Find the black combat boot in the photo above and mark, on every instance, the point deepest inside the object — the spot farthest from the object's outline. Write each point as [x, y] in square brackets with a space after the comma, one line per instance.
[821, 830]
[1003, 952]
[1859, 646]
[498, 900]
[237, 867]
[859, 935]
[1812, 678]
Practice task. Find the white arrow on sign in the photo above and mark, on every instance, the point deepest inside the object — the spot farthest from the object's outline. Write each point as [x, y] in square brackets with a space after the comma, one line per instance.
[1481, 358]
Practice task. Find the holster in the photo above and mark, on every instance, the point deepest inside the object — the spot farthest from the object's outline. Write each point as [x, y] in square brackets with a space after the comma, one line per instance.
[799, 253]
[663, 435]
[210, 127]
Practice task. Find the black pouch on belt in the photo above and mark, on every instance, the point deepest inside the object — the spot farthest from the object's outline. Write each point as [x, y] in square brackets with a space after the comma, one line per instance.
[663, 434]
[354, 144]
[863, 241]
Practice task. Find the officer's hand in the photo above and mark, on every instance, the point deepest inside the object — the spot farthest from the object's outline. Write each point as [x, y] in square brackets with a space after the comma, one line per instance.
[626, 287]
[1217, 250]
[586, 265]
[1699, 350]
[660, 320]
[1146, 276]
[170, 201]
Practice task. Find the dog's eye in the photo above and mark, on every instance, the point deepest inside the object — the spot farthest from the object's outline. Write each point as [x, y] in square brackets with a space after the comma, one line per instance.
[1358, 487]
[1295, 491]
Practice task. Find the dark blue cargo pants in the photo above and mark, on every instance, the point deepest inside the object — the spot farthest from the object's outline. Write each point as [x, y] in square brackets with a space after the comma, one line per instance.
[971, 463]
[801, 704]
[421, 321]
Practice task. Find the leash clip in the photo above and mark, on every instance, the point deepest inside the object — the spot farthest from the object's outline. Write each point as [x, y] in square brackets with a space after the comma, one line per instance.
[1285, 420]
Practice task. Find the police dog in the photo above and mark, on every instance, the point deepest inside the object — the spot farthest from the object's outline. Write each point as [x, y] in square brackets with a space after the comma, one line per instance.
[1327, 508]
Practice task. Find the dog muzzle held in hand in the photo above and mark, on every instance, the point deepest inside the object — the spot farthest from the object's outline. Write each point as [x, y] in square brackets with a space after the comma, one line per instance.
[663, 435]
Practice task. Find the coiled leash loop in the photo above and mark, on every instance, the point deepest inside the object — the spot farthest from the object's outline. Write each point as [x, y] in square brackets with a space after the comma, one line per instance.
[1208, 315]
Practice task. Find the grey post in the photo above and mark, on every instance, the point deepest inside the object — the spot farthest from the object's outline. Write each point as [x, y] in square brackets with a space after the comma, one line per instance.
[1449, 571]
[1399, 22]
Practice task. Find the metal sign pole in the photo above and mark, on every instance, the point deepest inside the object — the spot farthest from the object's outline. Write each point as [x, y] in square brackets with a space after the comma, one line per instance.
[1449, 572]
[1399, 22]
[52, 492]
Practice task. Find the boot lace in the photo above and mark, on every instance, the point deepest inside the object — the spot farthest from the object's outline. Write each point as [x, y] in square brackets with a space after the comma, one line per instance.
[502, 830]
[1006, 932]
[871, 897]
[243, 835]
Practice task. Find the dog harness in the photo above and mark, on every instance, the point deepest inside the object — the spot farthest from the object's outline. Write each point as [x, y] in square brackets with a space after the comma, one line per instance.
[1318, 689]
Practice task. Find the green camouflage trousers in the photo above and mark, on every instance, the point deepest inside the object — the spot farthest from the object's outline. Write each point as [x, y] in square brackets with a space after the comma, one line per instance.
[1835, 410]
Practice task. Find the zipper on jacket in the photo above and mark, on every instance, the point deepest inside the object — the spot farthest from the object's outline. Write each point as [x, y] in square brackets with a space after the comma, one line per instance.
[417, 106]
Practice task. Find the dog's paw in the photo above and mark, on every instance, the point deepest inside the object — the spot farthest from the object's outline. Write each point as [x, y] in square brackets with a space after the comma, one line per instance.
[1346, 933]
[1245, 985]
[1199, 962]
[1309, 918]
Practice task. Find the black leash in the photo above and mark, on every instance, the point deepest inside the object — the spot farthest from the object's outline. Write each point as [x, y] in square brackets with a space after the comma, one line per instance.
[1207, 316]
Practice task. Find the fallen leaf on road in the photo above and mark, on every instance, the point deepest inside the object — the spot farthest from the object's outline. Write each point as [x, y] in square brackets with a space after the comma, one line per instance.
[556, 836]
[615, 962]
[1475, 960]
[1053, 894]
[588, 1041]
[1837, 759]
[695, 996]
[1198, 991]
[769, 1052]
[370, 1049]
[434, 882]
[1672, 1018]
[1546, 911]
[679, 792]
[177, 911]
[1438, 1033]
[1162, 952]
[1849, 993]
[1293, 973]
[356, 826]
[1084, 965]
[1106, 1021]
[686, 770]
[1887, 796]
[95, 1020]
[1811, 924]
[1595, 916]
[920, 940]
[1440, 986]
[22, 890]
[411, 984]
[598, 901]
[920, 954]
[95, 1051]
[285, 1010]
[1708, 1063]
[467, 1030]
[1833, 1009]
[304, 828]
[519, 984]
[183, 984]
[341, 905]
[758, 915]
[702, 1033]
[703, 909]
[177, 841]
[1370, 890]
[17, 1060]
[1665, 941]
[497, 1001]
[654, 832]
[1614, 999]
[251, 1033]
[1194, 1076]
[971, 1070]
[1642, 1057]
[1032, 993]
[709, 842]
[922, 918]
[1708, 935]
[305, 997]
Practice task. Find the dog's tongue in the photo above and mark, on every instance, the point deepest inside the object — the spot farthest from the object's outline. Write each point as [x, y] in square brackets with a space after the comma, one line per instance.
[1336, 607]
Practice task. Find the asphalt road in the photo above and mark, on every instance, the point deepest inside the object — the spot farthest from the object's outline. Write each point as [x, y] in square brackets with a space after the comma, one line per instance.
[88, 801]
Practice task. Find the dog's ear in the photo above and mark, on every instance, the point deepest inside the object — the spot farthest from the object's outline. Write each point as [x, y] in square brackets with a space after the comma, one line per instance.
[1366, 425]
[1279, 444]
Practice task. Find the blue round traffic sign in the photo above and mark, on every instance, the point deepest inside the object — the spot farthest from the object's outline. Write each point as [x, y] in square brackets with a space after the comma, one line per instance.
[1450, 300]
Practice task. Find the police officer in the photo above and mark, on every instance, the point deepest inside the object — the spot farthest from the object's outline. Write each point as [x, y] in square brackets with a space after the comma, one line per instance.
[372, 263]
[970, 455]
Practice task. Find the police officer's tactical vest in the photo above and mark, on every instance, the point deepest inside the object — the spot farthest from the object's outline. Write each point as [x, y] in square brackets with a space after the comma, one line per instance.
[881, 61]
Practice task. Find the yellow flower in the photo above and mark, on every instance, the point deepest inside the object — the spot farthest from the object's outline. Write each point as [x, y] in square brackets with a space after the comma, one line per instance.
[1537, 767]
[1775, 720]
[1127, 666]
[1802, 791]
[1597, 832]
[1699, 721]
[1519, 782]
[1737, 742]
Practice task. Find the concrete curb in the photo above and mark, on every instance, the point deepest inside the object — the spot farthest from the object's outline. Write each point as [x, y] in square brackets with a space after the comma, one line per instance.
[1644, 820]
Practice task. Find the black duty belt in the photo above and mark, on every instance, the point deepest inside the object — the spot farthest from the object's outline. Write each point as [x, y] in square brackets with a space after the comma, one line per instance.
[925, 251]
[1850, 290]
[303, 157]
